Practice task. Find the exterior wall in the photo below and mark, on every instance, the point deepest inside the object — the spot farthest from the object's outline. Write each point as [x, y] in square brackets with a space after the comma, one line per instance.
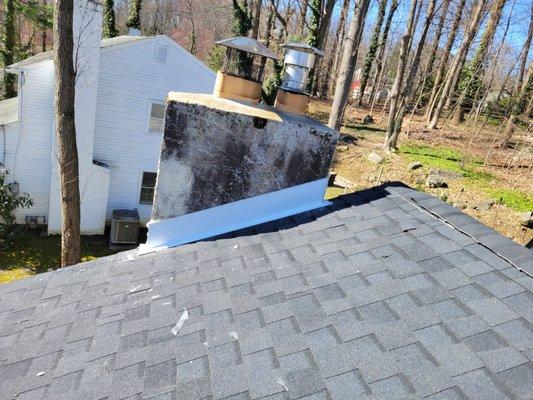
[130, 79]
[87, 36]
[216, 152]
[9, 135]
[94, 204]
[28, 148]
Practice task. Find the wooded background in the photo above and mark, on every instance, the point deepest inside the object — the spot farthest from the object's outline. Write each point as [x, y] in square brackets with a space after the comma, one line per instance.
[450, 60]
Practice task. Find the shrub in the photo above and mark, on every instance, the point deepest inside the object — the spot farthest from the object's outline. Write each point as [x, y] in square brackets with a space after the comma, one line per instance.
[9, 202]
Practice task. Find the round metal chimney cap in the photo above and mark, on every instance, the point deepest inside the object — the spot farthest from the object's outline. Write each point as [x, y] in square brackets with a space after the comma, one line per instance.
[248, 45]
[304, 47]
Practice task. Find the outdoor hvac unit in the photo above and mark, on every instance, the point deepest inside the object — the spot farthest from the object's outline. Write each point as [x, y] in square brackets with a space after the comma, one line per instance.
[124, 227]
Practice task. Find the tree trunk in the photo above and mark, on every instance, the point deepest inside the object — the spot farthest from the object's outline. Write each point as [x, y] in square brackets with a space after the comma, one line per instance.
[406, 100]
[438, 32]
[65, 79]
[325, 21]
[383, 45]
[390, 139]
[303, 16]
[371, 54]
[469, 36]
[134, 18]
[110, 29]
[473, 81]
[8, 52]
[347, 67]
[525, 51]
[439, 76]
[256, 18]
[314, 23]
[338, 46]
[43, 34]
[522, 105]
[268, 33]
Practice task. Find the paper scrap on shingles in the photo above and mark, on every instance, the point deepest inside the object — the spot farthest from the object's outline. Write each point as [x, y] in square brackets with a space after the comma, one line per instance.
[181, 321]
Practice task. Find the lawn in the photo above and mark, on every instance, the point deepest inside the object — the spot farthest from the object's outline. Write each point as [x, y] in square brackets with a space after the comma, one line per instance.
[471, 169]
[33, 254]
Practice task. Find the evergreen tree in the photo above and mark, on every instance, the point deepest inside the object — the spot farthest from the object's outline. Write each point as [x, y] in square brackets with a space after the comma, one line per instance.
[8, 51]
[215, 58]
[242, 23]
[313, 36]
[110, 29]
[39, 15]
[271, 85]
[134, 19]
[372, 49]
[242, 19]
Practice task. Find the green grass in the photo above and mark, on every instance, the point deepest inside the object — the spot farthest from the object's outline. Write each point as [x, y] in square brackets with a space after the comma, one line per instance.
[512, 198]
[470, 169]
[34, 254]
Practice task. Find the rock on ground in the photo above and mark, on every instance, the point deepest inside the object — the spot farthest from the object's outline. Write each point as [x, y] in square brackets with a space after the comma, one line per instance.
[526, 219]
[435, 181]
[445, 173]
[484, 205]
[375, 158]
[415, 165]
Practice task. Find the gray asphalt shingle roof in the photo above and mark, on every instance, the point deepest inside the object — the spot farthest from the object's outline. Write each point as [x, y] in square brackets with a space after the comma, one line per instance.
[370, 298]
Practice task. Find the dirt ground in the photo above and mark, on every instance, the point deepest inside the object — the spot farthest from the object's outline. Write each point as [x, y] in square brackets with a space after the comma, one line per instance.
[505, 172]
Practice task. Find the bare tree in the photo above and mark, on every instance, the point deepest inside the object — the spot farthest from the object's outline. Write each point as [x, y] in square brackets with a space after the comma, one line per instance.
[347, 66]
[65, 80]
[396, 91]
[371, 54]
[302, 17]
[438, 32]
[325, 22]
[336, 51]
[525, 50]
[474, 70]
[439, 76]
[454, 69]
[522, 105]
[380, 59]
[256, 17]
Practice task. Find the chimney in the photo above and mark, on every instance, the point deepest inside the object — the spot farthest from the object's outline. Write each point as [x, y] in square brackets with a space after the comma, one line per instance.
[241, 77]
[87, 35]
[228, 163]
[292, 95]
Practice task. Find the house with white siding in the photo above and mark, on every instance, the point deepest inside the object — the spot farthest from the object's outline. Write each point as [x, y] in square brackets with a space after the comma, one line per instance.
[121, 87]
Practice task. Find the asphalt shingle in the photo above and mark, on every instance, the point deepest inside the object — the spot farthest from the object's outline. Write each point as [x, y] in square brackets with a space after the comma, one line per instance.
[370, 297]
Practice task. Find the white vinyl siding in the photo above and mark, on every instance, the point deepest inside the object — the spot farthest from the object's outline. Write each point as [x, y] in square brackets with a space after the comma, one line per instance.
[130, 79]
[28, 148]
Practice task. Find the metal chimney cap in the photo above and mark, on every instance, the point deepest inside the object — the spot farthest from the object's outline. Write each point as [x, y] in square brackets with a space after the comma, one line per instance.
[248, 45]
[303, 47]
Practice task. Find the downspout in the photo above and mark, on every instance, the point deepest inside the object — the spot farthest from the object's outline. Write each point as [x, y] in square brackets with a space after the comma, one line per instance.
[4, 148]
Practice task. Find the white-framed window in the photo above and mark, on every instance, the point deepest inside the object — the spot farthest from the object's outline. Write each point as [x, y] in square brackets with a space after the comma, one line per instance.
[146, 195]
[161, 54]
[156, 124]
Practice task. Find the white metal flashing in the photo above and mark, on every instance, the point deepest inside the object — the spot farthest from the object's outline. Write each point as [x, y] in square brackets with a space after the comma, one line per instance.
[233, 216]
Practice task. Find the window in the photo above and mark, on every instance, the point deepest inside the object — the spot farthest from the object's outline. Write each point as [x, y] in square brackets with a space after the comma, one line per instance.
[147, 188]
[161, 55]
[157, 118]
